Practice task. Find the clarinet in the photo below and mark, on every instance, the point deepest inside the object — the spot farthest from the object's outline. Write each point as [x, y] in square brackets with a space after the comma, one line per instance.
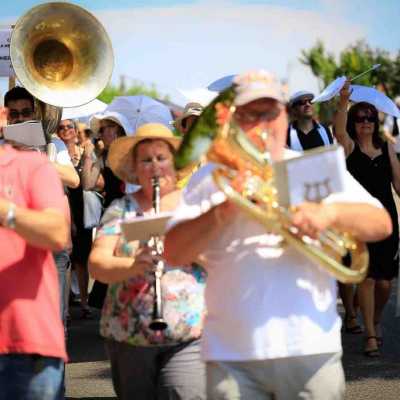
[158, 323]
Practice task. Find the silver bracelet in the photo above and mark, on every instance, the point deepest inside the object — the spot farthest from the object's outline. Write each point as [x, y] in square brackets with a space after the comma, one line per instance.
[9, 221]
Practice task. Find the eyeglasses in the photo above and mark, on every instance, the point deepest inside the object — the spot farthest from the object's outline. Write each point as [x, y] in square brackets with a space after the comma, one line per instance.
[255, 116]
[302, 102]
[63, 127]
[364, 118]
[25, 113]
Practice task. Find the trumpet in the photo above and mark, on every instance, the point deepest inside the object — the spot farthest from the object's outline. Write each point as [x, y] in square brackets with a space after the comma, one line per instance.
[158, 323]
[223, 142]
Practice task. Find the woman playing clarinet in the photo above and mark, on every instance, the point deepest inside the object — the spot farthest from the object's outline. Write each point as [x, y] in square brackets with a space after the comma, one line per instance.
[148, 363]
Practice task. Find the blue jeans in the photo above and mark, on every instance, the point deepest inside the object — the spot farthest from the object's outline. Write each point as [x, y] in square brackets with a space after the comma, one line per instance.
[62, 262]
[31, 377]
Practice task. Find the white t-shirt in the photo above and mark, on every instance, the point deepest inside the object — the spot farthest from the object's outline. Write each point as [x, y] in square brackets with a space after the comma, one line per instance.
[263, 301]
[62, 156]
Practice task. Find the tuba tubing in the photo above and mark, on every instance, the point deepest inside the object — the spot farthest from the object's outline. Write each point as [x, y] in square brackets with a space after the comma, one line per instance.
[276, 220]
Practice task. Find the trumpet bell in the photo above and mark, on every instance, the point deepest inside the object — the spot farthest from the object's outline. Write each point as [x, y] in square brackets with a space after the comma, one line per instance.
[61, 54]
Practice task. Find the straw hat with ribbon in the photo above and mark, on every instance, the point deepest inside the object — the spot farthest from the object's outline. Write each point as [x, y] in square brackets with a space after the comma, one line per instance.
[120, 155]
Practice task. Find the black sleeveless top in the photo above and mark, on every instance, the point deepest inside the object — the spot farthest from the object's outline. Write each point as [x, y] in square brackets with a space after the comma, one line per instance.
[375, 175]
[114, 188]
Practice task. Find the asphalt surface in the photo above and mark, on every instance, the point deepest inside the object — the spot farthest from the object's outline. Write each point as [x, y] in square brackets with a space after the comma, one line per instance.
[88, 372]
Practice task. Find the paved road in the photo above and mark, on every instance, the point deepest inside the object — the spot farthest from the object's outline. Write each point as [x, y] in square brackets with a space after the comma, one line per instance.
[88, 374]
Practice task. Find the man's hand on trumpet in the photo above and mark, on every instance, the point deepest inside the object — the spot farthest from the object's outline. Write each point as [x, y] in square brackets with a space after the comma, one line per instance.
[311, 219]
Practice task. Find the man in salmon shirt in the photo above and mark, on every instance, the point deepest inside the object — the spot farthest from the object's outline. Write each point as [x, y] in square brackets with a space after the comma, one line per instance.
[33, 223]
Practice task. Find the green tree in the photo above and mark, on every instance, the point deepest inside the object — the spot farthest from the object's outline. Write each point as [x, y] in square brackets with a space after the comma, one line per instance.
[135, 88]
[352, 61]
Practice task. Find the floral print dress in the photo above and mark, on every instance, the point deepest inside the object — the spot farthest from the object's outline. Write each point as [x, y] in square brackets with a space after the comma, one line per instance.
[128, 307]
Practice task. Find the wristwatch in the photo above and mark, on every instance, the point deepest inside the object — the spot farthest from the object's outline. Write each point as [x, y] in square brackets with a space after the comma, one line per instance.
[9, 221]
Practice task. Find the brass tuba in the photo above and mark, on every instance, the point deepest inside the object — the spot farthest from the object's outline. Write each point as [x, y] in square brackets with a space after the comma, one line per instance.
[63, 56]
[225, 143]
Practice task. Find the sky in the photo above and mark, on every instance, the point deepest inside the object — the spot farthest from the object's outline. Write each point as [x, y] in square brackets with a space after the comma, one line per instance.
[188, 44]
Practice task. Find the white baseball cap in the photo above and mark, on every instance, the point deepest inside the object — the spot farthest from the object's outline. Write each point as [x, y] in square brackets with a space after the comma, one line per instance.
[254, 85]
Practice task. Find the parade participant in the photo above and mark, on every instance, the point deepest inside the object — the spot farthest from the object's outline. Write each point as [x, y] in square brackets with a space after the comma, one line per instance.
[189, 115]
[272, 330]
[81, 234]
[375, 165]
[20, 104]
[84, 134]
[147, 364]
[122, 117]
[33, 223]
[304, 131]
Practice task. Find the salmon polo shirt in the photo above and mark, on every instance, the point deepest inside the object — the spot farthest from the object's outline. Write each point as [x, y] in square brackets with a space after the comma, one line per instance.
[30, 321]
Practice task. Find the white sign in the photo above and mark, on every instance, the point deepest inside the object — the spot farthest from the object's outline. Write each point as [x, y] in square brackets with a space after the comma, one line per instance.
[6, 68]
[313, 176]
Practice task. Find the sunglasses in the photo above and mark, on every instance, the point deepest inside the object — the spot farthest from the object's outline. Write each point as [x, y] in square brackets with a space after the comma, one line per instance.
[63, 127]
[364, 118]
[302, 102]
[103, 128]
[25, 113]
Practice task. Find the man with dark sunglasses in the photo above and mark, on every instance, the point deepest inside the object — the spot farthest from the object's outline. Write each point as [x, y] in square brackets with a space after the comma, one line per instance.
[20, 104]
[21, 108]
[304, 131]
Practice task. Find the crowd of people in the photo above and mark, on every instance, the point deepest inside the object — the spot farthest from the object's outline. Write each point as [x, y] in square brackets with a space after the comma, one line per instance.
[247, 317]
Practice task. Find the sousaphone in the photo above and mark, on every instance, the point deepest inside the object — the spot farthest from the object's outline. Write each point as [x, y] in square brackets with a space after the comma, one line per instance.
[62, 55]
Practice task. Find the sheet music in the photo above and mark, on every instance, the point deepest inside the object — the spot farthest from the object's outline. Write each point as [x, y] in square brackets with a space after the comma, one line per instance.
[28, 133]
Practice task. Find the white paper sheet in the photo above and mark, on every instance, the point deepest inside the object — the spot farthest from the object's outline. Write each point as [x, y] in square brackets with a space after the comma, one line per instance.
[143, 228]
[315, 177]
[27, 133]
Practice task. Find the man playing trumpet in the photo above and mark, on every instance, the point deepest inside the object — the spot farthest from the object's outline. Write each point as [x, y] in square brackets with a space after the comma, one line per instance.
[272, 329]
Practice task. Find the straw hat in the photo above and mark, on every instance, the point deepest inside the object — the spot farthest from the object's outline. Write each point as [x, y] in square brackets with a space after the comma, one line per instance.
[120, 155]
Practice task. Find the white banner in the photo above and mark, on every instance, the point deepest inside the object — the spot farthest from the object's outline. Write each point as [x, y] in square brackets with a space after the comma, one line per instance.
[6, 68]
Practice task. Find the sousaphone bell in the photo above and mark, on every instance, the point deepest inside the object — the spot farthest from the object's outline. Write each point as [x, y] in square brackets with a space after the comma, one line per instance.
[61, 54]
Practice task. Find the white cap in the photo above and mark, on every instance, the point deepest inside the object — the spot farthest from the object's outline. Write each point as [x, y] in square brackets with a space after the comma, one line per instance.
[256, 85]
[299, 95]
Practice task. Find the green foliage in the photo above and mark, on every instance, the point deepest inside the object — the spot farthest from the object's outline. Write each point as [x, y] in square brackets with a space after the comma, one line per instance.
[136, 88]
[203, 132]
[352, 61]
